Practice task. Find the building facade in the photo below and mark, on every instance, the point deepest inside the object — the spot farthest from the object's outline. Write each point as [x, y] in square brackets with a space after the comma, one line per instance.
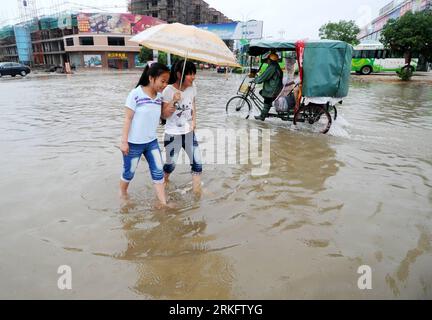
[189, 12]
[88, 40]
[393, 10]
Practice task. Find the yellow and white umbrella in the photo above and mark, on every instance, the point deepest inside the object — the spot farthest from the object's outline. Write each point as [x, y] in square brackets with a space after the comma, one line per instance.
[187, 41]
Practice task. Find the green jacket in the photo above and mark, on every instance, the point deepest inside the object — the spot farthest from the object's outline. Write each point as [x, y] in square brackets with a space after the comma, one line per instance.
[272, 79]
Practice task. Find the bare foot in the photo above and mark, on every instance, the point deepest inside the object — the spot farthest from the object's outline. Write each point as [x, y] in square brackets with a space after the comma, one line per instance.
[207, 193]
[197, 190]
[170, 205]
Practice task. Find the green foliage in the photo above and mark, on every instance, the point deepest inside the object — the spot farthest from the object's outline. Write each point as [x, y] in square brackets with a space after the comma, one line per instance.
[410, 34]
[405, 74]
[343, 30]
[145, 55]
[238, 70]
[175, 58]
[163, 58]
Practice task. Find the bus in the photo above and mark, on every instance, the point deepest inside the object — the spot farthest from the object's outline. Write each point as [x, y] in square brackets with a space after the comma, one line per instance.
[371, 57]
[282, 56]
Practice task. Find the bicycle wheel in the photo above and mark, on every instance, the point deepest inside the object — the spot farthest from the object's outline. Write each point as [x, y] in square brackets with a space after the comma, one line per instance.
[314, 118]
[333, 112]
[239, 106]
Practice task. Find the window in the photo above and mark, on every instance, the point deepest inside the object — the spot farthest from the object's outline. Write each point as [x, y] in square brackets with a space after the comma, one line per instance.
[116, 41]
[69, 42]
[380, 54]
[368, 54]
[154, 3]
[155, 14]
[86, 41]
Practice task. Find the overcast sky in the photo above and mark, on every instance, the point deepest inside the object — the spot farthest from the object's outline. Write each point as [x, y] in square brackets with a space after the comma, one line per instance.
[291, 19]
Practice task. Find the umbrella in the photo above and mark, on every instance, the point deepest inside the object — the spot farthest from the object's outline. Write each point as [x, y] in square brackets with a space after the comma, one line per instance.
[187, 41]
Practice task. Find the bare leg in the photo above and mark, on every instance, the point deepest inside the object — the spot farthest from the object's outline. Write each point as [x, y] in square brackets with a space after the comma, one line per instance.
[166, 176]
[160, 192]
[196, 184]
[124, 189]
[296, 96]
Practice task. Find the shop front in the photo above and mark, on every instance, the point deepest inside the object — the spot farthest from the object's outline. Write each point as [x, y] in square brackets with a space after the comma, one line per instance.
[118, 60]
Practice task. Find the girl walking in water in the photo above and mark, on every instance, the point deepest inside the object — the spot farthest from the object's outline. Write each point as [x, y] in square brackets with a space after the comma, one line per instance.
[181, 121]
[139, 137]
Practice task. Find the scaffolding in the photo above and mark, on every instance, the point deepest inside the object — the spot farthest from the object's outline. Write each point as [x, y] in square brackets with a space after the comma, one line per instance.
[27, 13]
[36, 32]
[27, 10]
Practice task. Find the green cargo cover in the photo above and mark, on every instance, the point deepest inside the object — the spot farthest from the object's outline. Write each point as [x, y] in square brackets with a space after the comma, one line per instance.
[327, 65]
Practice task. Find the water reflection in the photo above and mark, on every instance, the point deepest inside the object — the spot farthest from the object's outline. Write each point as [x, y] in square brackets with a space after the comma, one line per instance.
[394, 104]
[300, 166]
[173, 256]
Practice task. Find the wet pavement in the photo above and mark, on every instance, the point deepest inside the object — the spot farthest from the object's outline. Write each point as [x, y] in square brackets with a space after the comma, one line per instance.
[361, 195]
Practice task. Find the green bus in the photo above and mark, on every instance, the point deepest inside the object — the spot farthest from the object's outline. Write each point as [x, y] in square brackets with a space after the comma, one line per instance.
[282, 56]
[372, 57]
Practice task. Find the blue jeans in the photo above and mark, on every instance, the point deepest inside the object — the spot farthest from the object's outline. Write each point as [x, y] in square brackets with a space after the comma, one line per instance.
[173, 145]
[153, 156]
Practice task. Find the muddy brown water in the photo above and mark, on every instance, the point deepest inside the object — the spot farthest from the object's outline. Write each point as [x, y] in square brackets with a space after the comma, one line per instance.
[361, 195]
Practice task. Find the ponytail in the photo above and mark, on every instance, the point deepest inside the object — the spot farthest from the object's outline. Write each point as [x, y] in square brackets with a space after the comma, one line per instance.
[152, 70]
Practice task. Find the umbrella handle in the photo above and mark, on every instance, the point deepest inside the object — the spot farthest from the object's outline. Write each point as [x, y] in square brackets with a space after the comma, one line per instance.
[184, 67]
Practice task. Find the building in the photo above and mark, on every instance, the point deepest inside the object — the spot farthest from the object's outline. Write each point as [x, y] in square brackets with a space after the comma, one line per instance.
[189, 12]
[92, 40]
[392, 10]
[199, 11]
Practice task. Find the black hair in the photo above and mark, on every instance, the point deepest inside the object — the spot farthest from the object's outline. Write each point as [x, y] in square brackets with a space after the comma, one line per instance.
[189, 69]
[154, 71]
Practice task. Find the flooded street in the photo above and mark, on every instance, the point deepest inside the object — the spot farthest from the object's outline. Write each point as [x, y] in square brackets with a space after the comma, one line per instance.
[361, 195]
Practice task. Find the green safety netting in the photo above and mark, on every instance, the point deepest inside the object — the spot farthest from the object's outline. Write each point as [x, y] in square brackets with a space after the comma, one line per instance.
[74, 20]
[6, 32]
[47, 23]
[44, 23]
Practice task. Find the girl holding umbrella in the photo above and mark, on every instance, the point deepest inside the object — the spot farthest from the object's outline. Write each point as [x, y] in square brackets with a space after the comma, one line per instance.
[181, 122]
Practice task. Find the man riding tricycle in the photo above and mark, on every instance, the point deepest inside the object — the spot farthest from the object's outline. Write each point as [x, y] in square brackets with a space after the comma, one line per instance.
[324, 68]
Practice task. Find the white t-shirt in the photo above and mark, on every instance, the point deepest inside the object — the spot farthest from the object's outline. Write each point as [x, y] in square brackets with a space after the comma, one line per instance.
[181, 120]
[146, 118]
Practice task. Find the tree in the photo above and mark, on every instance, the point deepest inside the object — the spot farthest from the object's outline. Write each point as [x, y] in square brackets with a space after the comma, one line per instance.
[343, 30]
[162, 57]
[145, 55]
[410, 34]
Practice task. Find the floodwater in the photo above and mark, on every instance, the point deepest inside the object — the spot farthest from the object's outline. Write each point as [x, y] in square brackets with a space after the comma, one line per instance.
[361, 195]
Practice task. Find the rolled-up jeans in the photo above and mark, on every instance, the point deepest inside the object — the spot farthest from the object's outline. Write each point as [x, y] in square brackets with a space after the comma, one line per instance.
[173, 145]
[153, 156]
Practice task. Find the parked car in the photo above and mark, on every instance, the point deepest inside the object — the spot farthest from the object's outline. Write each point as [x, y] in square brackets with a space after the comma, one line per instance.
[221, 69]
[13, 69]
[204, 66]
